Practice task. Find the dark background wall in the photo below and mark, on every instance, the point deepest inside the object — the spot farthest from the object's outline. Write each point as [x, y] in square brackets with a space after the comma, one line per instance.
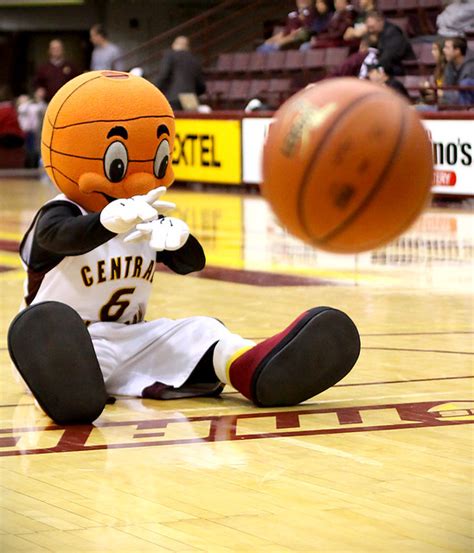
[26, 31]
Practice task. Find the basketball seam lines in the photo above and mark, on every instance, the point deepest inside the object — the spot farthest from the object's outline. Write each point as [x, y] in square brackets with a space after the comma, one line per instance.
[315, 156]
[92, 158]
[64, 175]
[54, 125]
[112, 120]
[374, 190]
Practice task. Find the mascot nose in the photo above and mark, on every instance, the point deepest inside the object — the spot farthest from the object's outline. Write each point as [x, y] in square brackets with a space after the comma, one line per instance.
[132, 185]
[138, 183]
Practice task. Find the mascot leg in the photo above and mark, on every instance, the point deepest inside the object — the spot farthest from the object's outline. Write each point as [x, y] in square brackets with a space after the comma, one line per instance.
[52, 350]
[316, 351]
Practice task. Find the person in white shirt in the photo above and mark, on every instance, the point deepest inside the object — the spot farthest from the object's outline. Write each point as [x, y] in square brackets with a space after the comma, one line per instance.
[105, 52]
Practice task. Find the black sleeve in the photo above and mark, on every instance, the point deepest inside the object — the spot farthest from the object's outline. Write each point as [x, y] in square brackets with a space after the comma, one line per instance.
[394, 48]
[63, 230]
[60, 230]
[186, 260]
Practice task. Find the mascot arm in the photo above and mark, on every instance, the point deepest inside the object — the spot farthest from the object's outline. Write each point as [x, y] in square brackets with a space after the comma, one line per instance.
[189, 258]
[63, 230]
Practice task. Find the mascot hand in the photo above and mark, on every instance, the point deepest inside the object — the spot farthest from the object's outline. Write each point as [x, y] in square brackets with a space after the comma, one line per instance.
[123, 214]
[153, 199]
[167, 233]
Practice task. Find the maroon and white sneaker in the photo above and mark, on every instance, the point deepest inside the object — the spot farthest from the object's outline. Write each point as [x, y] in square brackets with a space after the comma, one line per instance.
[312, 354]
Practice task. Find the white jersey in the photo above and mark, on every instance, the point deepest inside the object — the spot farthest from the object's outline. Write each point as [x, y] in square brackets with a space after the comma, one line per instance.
[109, 287]
[110, 283]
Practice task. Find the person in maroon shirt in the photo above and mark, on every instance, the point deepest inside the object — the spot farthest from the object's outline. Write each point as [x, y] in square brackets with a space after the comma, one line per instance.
[295, 30]
[341, 20]
[53, 74]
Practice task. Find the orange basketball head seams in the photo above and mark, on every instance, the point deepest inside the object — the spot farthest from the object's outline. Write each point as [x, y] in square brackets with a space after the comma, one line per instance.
[347, 165]
[108, 135]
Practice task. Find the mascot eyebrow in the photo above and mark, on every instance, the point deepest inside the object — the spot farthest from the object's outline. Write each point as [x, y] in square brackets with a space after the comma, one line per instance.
[118, 131]
[162, 129]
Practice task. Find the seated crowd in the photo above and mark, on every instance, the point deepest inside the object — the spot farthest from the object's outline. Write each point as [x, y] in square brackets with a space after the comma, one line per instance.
[378, 49]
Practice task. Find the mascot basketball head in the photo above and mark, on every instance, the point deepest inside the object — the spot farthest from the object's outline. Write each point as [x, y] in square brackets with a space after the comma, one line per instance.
[108, 135]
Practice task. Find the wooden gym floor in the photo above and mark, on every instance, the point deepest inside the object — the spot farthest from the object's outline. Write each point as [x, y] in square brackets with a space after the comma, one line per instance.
[382, 462]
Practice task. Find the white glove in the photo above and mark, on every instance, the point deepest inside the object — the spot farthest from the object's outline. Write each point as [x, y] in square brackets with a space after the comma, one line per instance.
[167, 233]
[123, 214]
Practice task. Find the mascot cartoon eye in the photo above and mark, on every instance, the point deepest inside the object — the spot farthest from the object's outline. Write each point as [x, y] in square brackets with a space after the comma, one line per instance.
[162, 159]
[115, 161]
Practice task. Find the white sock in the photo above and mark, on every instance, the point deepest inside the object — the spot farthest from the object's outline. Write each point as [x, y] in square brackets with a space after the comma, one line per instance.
[226, 351]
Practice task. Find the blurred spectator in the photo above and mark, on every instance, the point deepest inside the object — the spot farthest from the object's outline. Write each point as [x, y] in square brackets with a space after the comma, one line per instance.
[359, 29]
[378, 75]
[56, 72]
[371, 57]
[11, 135]
[459, 71]
[12, 153]
[356, 64]
[392, 43]
[456, 19]
[296, 29]
[428, 87]
[30, 117]
[180, 72]
[105, 52]
[324, 10]
[340, 21]
[256, 104]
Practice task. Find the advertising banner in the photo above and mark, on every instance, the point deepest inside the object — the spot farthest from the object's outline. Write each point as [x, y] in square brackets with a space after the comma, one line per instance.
[208, 150]
[453, 153]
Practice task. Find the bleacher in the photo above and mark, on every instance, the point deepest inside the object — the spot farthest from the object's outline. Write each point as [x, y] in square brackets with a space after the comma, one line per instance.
[237, 76]
[226, 36]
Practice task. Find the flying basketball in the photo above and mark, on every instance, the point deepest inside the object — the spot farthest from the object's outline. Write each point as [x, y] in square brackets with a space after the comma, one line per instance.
[108, 135]
[347, 165]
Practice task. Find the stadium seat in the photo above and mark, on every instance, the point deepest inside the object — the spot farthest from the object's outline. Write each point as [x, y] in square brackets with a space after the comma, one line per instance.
[258, 87]
[412, 67]
[407, 5]
[241, 62]
[216, 92]
[335, 56]
[431, 4]
[402, 22]
[389, 6]
[224, 63]
[238, 89]
[257, 62]
[425, 56]
[412, 84]
[313, 64]
[281, 88]
[294, 60]
[275, 61]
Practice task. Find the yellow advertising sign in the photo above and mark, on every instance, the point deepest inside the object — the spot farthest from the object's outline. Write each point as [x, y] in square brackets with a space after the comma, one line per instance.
[208, 150]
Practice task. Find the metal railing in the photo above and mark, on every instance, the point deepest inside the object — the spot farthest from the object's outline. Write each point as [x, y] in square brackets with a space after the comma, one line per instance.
[232, 24]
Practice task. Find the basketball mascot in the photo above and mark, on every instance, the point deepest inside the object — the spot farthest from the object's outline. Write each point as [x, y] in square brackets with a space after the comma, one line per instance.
[90, 257]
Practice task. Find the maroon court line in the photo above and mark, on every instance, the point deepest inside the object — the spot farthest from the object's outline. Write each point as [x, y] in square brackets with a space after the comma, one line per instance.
[9, 246]
[437, 333]
[225, 274]
[403, 349]
[422, 350]
[388, 334]
[335, 386]
[378, 383]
